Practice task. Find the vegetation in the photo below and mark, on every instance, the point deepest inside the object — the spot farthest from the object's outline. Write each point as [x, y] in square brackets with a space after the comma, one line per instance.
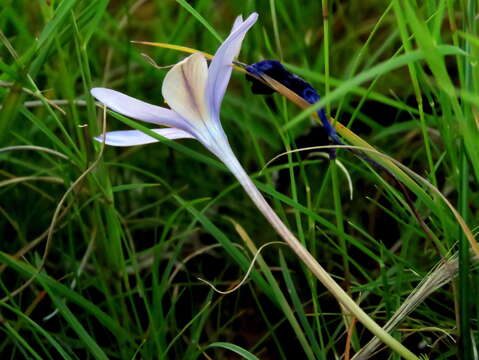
[105, 251]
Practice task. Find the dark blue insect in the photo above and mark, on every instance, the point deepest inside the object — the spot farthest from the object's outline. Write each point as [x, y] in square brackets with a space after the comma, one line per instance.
[276, 70]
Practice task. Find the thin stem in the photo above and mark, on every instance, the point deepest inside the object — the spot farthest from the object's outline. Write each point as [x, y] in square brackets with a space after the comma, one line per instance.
[323, 276]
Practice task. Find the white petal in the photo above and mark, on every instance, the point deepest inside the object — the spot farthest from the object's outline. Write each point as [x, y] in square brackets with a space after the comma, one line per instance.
[220, 69]
[136, 109]
[184, 89]
[136, 137]
[237, 23]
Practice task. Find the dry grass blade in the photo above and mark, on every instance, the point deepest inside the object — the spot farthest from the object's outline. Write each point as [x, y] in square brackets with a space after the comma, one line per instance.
[444, 272]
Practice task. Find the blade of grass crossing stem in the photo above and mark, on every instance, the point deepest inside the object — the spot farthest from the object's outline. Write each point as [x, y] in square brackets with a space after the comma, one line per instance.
[310, 213]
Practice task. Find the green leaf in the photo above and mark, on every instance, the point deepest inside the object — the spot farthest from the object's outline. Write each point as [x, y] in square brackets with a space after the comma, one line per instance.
[245, 354]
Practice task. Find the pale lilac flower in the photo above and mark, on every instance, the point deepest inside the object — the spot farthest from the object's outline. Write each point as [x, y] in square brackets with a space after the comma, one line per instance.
[194, 93]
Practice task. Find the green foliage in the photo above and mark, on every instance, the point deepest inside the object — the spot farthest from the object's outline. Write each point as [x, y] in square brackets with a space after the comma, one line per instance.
[101, 248]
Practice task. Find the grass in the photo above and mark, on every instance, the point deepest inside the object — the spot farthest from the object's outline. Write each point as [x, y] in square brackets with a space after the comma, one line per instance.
[102, 248]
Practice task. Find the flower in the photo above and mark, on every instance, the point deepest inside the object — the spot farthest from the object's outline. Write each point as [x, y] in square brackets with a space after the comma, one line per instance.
[194, 93]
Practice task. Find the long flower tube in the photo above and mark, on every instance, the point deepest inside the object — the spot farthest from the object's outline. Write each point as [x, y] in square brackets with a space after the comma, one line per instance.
[194, 93]
[321, 274]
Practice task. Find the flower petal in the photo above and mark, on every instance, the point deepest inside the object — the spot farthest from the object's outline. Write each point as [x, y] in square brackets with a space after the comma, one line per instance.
[237, 23]
[136, 137]
[219, 72]
[136, 109]
[184, 89]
